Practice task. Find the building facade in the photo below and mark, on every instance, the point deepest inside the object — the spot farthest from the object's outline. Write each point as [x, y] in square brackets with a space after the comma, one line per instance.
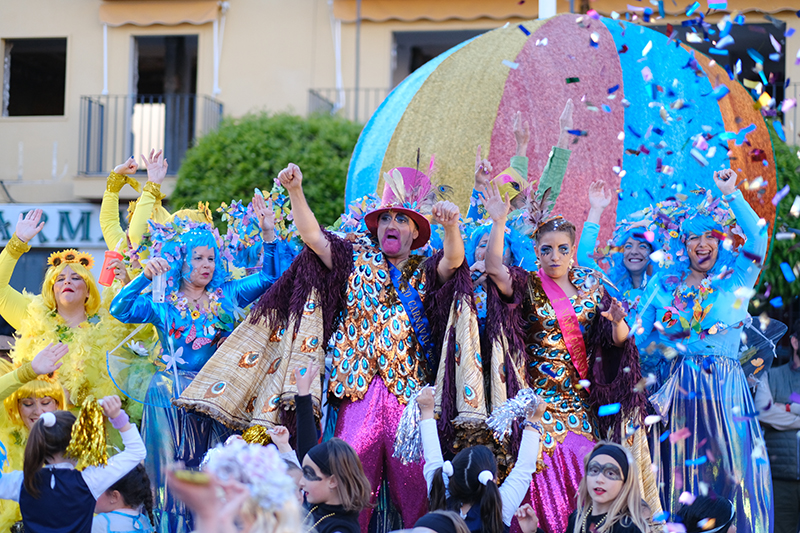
[88, 83]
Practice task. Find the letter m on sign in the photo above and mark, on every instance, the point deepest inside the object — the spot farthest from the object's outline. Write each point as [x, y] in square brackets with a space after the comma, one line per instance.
[78, 233]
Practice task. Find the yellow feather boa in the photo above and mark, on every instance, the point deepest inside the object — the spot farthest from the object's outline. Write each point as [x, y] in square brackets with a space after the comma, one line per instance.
[84, 370]
[14, 438]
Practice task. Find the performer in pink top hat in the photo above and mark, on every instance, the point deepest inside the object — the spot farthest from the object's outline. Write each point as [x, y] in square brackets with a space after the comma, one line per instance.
[392, 322]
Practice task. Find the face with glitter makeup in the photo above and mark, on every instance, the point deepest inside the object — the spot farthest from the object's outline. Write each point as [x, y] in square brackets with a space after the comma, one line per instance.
[318, 487]
[702, 250]
[554, 250]
[396, 232]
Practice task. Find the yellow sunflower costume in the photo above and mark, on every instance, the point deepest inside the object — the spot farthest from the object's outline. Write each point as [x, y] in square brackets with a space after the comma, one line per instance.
[16, 384]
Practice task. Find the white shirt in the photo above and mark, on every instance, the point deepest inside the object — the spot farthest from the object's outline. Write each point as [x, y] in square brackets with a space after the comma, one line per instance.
[516, 485]
[97, 478]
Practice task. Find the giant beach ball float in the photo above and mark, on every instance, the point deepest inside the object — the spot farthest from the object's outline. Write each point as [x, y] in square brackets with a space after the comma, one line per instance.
[653, 118]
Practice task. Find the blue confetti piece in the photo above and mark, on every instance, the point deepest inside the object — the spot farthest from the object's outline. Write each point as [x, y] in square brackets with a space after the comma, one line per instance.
[718, 5]
[717, 52]
[726, 29]
[721, 90]
[692, 364]
[609, 409]
[758, 58]
[661, 8]
[639, 135]
[775, 57]
[789, 32]
[740, 20]
[606, 108]
[524, 29]
[697, 462]
[613, 89]
[661, 517]
[658, 131]
[778, 127]
[692, 8]
[787, 272]
[664, 436]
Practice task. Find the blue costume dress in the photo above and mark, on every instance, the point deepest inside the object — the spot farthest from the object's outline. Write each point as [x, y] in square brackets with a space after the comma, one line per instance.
[169, 434]
[651, 360]
[716, 438]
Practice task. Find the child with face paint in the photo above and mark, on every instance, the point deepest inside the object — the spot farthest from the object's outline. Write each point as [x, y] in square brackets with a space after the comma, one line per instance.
[335, 486]
[609, 499]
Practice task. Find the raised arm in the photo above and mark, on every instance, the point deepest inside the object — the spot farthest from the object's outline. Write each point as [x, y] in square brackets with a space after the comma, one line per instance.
[497, 208]
[99, 478]
[483, 173]
[248, 289]
[599, 199]
[113, 234]
[431, 447]
[156, 167]
[13, 305]
[306, 427]
[556, 167]
[516, 484]
[446, 214]
[292, 180]
[745, 273]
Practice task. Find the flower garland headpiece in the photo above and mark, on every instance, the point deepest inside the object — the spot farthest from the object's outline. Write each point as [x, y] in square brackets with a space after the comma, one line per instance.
[71, 256]
[260, 468]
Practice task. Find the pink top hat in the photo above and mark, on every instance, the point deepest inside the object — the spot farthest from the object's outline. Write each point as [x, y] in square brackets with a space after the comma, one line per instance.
[409, 191]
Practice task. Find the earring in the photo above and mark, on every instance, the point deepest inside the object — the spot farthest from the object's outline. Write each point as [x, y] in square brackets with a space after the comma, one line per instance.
[572, 262]
[538, 265]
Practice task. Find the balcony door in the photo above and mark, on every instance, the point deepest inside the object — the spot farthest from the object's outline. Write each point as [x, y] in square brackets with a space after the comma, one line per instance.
[165, 85]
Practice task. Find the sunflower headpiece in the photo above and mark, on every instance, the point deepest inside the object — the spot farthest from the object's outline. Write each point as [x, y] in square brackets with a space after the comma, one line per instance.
[71, 256]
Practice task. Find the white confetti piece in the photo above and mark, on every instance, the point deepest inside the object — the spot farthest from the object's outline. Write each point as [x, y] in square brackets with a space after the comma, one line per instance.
[510, 64]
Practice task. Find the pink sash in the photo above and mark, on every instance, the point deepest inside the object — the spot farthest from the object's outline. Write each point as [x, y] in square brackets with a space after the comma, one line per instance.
[568, 322]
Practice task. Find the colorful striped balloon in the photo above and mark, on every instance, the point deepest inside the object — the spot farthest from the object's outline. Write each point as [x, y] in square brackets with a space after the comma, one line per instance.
[640, 100]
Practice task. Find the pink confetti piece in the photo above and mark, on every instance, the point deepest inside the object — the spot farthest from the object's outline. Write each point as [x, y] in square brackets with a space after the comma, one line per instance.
[775, 44]
[647, 74]
[686, 498]
[681, 434]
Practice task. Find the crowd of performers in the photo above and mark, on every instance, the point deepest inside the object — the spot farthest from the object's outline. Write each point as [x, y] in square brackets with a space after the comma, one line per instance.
[331, 332]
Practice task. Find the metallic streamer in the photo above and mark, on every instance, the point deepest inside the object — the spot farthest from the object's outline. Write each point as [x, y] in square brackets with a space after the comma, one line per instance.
[257, 435]
[504, 415]
[88, 441]
[408, 440]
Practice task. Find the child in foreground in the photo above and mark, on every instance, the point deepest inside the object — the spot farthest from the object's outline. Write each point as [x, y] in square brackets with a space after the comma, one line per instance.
[55, 497]
[609, 499]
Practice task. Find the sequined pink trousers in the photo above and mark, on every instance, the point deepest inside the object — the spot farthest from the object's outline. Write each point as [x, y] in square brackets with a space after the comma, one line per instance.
[369, 425]
[554, 489]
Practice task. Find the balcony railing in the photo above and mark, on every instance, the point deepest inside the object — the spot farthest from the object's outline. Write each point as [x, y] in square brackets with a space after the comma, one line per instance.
[357, 106]
[114, 127]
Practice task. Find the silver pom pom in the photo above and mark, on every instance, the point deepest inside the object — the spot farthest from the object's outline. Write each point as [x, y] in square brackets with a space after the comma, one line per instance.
[408, 440]
[504, 415]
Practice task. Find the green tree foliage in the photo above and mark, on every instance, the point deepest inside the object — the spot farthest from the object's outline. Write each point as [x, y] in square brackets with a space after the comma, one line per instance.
[248, 152]
[784, 251]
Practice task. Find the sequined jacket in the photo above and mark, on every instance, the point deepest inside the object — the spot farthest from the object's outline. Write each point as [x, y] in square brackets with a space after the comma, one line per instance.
[353, 309]
[538, 346]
